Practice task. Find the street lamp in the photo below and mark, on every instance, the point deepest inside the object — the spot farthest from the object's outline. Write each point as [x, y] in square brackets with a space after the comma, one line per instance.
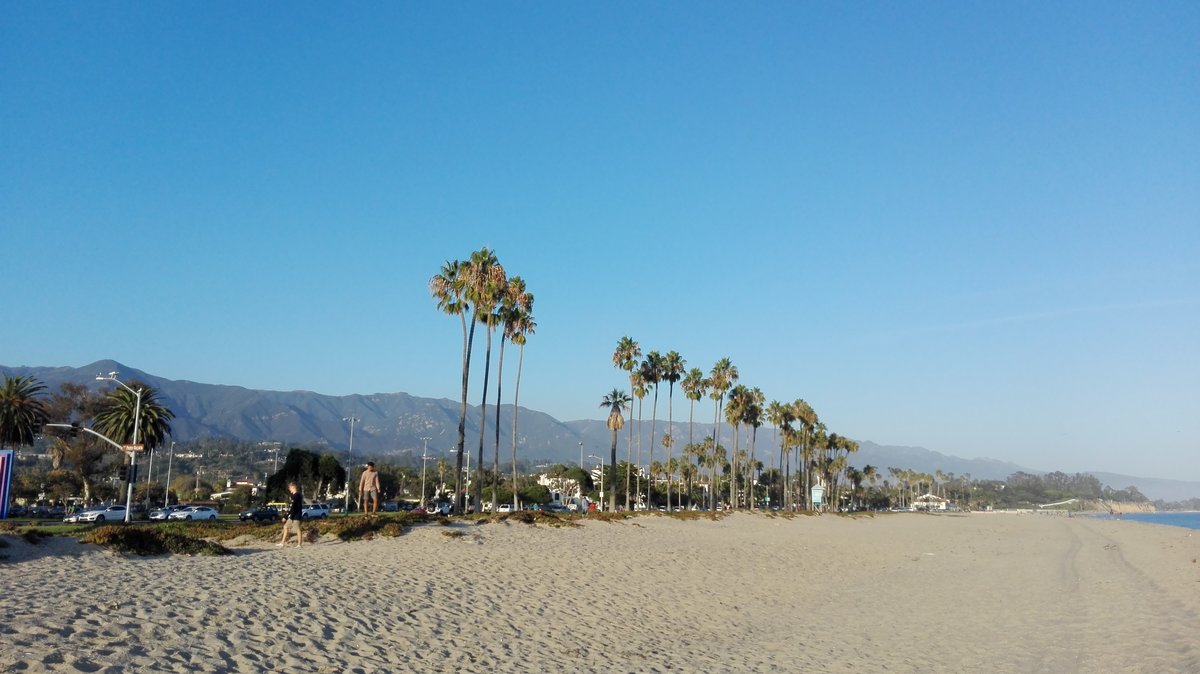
[424, 457]
[580, 455]
[167, 488]
[349, 459]
[137, 422]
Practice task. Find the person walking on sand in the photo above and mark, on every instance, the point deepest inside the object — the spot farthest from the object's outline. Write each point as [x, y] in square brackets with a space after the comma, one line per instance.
[368, 489]
[291, 522]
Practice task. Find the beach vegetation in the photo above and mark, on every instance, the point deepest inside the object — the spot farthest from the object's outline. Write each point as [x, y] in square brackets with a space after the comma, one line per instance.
[144, 541]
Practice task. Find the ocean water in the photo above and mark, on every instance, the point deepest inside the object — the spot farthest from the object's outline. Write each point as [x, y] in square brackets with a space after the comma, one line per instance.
[1190, 520]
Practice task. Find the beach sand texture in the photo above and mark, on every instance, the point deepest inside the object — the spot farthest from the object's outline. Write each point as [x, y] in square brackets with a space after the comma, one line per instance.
[747, 593]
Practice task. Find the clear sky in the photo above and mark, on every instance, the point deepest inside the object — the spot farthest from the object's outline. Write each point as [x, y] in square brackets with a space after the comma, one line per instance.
[972, 227]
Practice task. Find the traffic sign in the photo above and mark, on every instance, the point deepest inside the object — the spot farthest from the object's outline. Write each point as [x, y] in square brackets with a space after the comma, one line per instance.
[134, 448]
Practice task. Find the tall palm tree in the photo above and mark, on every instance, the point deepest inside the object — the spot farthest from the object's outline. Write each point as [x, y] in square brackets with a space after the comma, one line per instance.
[450, 288]
[626, 356]
[753, 417]
[486, 287]
[514, 301]
[806, 420]
[521, 328]
[615, 401]
[639, 392]
[735, 410]
[780, 416]
[722, 376]
[695, 387]
[116, 416]
[22, 413]
[652, 373]
[673, 366]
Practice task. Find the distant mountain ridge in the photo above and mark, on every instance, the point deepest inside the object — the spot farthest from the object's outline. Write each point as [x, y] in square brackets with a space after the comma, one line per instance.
[393, 424]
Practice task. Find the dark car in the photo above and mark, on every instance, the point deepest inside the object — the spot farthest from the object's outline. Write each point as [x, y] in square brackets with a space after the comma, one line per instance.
[260, 514]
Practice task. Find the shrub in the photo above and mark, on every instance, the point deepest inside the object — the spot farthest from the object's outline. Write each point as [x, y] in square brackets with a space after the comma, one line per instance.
[151, 541]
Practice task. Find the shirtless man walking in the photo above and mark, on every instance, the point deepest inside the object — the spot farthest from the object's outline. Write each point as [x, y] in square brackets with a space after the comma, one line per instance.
[368, 489]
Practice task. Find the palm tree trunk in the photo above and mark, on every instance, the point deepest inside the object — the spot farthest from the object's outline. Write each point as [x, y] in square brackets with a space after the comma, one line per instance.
[653, 441]
[712, 491]
[477, 485]
[468, 343]
[670, 432]
[516, 393]
[496, 455]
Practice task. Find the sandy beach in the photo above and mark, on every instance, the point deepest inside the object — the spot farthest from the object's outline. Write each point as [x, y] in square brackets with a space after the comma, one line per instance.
[893, 593]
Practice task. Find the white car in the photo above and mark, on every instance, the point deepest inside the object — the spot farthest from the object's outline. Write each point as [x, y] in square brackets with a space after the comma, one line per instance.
[194, 513]
[112, 513]
[504, 508]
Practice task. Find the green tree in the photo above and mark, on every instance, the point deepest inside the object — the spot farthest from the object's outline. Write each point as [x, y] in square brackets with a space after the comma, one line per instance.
[518, 329]
[722, 376]
[515, 303]
[673, 367]
[625, 357]
[22, 412]
[486, 287]
[116, 416]
[753, 417]
[450, 288]
[615, 402]
[652, 372]
[695, 387]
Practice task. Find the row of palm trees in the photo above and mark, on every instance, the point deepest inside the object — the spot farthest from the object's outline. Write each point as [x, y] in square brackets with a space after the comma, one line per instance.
[820, 456]
[479, 291]
[25, 408]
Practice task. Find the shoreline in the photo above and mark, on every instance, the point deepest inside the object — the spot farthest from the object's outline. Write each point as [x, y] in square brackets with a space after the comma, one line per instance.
[741, 593]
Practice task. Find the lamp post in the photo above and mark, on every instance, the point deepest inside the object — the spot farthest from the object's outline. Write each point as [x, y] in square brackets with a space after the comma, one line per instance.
[424, 457]
[466, 481]
[137, 422]
[349, 459]
[167, 488]
[580, 455]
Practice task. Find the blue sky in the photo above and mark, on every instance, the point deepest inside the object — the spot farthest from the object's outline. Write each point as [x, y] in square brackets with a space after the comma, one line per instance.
[967, 226]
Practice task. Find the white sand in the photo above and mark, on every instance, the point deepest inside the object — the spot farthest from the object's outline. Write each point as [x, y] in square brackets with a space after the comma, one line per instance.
[897, 593]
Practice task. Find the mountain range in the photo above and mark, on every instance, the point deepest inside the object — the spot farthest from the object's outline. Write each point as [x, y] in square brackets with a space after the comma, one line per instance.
[399, 425]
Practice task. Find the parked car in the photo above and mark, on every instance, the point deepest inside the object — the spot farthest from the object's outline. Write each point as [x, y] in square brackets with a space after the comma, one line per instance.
[112, 513]
[194, 513]
[161, 514]
[557, 508]
[314, 511]
[440, 508]
[259, 514]
[504, 508]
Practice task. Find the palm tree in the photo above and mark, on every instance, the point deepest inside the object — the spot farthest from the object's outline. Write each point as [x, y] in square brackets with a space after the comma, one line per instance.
[722, 376]
[513, 302]
[781, 419]
[615, 401]
[672, 371]
[485, 288]
[116, 416]
[21, 412]
[652, 373]
[519, 329]
[754, 418]
[694, 386]
[626, 357]
[639, 392]
[735, 410]
[450, 289]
